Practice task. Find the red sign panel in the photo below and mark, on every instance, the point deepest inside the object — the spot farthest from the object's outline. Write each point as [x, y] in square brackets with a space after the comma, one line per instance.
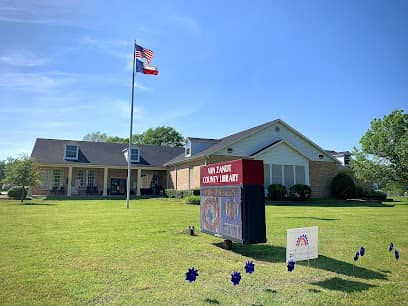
[234, 172]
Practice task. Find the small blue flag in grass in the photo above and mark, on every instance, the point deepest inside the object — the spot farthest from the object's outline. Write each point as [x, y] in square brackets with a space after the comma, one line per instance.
[291, 264]
[191, 275]
[249, 267]
[390, 247]
[396, 253]
[235, 278]
[362, 251]
[356, 256]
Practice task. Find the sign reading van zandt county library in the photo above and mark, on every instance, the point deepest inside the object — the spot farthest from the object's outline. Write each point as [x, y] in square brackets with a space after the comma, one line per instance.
[232, 201]
[302, 243]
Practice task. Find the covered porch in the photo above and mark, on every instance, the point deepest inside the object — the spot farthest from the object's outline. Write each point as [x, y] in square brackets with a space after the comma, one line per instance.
[103, 181]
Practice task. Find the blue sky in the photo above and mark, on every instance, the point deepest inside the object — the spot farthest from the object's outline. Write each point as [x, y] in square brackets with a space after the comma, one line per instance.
[325, 67]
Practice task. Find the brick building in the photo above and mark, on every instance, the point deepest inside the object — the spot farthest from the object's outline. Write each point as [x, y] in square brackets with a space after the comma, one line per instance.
[79, 167]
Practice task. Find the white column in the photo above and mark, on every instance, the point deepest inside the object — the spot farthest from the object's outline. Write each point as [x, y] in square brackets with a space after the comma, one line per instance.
[105, 182]
[69, 191]
[139, 181]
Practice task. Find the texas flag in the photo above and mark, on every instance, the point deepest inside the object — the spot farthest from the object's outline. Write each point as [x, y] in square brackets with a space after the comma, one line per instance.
[146, 69]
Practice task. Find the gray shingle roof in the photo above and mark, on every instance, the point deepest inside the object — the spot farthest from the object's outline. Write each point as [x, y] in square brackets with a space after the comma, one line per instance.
[220, 144]
[51, 151]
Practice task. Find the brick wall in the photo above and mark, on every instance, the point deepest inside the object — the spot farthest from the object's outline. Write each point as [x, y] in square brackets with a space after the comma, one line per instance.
[321, 174]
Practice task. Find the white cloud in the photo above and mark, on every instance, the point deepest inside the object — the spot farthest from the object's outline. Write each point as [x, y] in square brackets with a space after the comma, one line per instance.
[35, 82]
[40, 12]
[23, 60]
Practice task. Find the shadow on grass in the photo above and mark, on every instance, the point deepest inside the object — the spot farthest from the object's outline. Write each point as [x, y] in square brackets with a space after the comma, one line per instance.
[331, 203]
[212, 301]
[276, 254]
[339, 284]
[37, 204]
[314, 218]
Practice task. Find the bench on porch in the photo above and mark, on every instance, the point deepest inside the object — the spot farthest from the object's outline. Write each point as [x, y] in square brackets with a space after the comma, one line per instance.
[92, 190]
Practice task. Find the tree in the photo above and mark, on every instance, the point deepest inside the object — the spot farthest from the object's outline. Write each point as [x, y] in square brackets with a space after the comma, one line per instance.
[96, 137]
[2, 169]
[162, 136]
[22, 172]
[384, 150]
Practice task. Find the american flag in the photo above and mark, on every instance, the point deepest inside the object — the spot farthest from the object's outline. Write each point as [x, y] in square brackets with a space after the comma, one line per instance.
[142, 52]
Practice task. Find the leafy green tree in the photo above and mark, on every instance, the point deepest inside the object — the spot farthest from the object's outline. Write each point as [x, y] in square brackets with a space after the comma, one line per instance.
[2, 169]
[384, 150]
[22, 172]
[162, 136]
[96, 137]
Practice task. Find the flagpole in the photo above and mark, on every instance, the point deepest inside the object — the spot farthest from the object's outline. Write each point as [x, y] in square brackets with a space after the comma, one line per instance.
[129, 155]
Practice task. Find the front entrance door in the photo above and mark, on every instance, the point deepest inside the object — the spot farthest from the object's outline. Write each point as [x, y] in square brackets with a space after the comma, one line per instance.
[118, 186]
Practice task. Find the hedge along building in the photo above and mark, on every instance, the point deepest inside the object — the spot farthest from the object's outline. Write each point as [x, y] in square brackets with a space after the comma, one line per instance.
[80, 167]
[289, 158]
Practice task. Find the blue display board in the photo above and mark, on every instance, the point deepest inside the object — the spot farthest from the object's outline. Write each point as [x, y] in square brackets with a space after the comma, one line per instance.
[221, 212]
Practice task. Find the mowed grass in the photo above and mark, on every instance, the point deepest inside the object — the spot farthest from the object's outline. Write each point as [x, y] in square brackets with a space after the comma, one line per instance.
[98, 252]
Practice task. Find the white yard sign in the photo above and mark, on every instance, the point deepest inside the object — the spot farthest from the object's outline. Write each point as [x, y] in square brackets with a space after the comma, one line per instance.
[301, 243]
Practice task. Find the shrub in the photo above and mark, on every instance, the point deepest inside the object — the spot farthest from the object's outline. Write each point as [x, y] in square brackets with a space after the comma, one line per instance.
[300, 192]
[377, 195]
[276, 192]
[15, 192]
[192, 199]
[172, 193]
[342, 186]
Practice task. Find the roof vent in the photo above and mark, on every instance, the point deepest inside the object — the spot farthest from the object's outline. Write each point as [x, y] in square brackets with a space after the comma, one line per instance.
[277, 128]
[229, 150]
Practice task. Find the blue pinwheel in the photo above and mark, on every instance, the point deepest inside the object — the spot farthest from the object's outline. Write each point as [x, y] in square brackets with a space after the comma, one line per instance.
[191, 275]
[291, 264]
[235, 278]
[396, 253]
[356, 256]
[390, 247]
[362, 251]
[249, 267]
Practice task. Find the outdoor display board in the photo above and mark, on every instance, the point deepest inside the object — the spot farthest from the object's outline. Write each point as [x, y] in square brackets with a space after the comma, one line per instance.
[302, 243]
[232, 201]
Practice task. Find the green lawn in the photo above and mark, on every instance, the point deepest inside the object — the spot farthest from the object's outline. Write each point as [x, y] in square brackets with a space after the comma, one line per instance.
[99, 252]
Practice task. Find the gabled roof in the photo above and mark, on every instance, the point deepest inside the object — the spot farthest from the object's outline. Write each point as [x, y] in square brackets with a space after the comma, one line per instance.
[265, 148]
[274, 144]
[51, 151]
[220, 144]
[203, 139]
[227, 141]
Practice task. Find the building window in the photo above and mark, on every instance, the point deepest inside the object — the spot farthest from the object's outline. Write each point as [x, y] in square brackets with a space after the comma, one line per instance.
[267, 177]
[71, 152]
[289, 176]
[188, 151]
[57, 178]
[45, 179]
[276, 174]
[80, 179]
[134, 155]
[229, 150]
[91, 178]
[300, 174]
[346, 159]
